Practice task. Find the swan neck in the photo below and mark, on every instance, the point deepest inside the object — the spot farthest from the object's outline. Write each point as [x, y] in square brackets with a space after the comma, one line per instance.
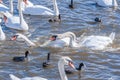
[115, 3]
[20, 11]
[62, 71]
[71, 2]
[72, 39]
[1, 31]
[28, 41]
[55, 8]
[11, 6]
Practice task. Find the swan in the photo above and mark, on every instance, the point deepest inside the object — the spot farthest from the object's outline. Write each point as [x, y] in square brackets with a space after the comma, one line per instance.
[15, 22]
[21, 58]
[65, 60]
[21, 36]
[2, 34]
[107, 3]
[4, 8]
[93, 42]
[31, 9]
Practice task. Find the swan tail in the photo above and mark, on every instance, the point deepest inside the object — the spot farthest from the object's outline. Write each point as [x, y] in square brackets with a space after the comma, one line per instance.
[112, 35]
[13, 77]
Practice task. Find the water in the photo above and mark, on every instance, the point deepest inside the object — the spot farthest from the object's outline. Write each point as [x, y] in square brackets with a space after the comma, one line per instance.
[100, 65]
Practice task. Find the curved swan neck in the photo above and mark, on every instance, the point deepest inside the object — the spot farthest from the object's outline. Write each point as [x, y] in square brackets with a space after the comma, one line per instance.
[20, 11]
[72, 37]
[30, 43]
[62, 71]
[11, 6]
[55, 8]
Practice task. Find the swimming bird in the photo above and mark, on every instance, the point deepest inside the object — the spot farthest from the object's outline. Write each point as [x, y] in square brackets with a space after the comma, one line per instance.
[15, 22]
[46, 63]
[21, 58]
[93, 42]
[107, 3]
[65, 60]
[21, 36]
[71, 5]
[97, 19]
[78, 68]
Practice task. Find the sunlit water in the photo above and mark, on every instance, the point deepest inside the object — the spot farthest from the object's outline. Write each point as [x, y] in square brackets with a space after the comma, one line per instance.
[100, 65]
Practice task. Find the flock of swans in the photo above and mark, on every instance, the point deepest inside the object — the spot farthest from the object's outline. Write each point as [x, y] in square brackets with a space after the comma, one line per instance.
[67, 39]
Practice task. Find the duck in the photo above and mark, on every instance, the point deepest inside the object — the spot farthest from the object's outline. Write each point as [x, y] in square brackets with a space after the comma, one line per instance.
[97, 19]
[46, 63]
[15, 22]
[71, 5]
[21, 58]
[78, 69]
[107, 3]
[69, 39]
[64, 60]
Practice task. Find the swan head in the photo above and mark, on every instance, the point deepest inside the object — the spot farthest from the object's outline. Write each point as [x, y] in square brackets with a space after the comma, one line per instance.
[67, 61]
[1, 1]
[16, 36]
[53, 37]
[25, 1]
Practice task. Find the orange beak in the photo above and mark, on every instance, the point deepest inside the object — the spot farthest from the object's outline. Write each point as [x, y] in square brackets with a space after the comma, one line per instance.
[72, 65]
[13, 38]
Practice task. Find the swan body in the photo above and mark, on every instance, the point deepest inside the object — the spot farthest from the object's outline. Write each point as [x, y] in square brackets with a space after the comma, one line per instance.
[62, 61]
[16, 22]
[93, 42]
[31, 9]
[2, 35]
[106, 3]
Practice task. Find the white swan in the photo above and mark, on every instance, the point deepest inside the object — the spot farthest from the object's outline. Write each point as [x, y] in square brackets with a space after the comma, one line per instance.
[106, 3]
[92, 42]
[16, 22]
[31, 9]
[62, 61]
[2, 34]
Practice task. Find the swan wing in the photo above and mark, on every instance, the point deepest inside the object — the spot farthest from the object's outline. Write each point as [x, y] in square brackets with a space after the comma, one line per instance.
[106, 3]
[96, 42]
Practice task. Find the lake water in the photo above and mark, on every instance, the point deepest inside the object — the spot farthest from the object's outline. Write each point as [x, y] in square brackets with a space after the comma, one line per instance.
[99, 65]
